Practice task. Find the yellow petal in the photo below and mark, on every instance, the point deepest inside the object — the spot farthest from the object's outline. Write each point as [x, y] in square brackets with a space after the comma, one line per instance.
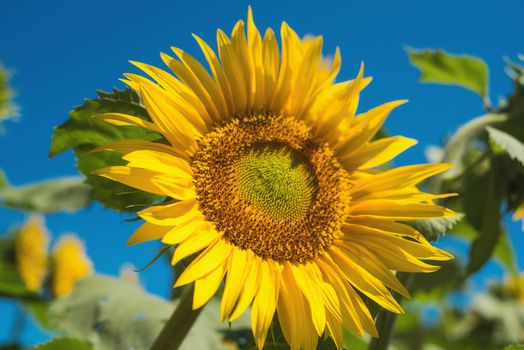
[128, 146]
[365, 127]
[250, 286]
[160, 162]
[186, 229]
[314, 298]
[141, 179]
[207, 286]
[147, 232]
[265, 302]
[121, 119]
[406, 176]
[205, 263]
[393, 209]
[374, 266]
[377, 153]
[171, 214]
[234, 281]
[205, 236]
[364, 281]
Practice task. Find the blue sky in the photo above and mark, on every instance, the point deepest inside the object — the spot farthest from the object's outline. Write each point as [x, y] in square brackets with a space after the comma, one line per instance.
[63, 51]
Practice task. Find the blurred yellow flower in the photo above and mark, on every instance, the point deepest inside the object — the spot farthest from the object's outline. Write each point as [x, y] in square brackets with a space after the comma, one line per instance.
[69, 264]
[519, 215]
[272, 179]
[31, 255]
[516, 287]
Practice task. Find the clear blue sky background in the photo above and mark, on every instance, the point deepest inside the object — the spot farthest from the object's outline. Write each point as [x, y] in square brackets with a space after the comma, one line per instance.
[63, 51]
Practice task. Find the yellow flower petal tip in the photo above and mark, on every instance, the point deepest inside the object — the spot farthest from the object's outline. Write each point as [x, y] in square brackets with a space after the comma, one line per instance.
[31, 256]
[273, 181]
[69, 264]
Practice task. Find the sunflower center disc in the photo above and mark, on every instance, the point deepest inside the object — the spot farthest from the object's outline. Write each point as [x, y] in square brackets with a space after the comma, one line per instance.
[276, 180]
[270, 188]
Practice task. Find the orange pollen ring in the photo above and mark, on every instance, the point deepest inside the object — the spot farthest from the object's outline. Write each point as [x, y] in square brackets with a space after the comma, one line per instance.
[271, 188]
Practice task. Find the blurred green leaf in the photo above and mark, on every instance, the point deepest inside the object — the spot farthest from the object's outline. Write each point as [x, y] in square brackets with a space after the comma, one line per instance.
[65, 344]
[7, 107]
[114, 314]
[508, 143]
[11, 284]
[434, 286]
[110, 313]
[505, 254]
[82, 133]
[3, 180]
[515, 347]
[39, 310]
[67, 194]
[482, 199]
[434, 228]
[353, 342]
[438, 66]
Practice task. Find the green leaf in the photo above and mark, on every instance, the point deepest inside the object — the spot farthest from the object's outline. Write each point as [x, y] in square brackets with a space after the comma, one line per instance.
[7, 108]
[82, 134]
[432, 229]
[436, 285]
[114, 314]
[110, 313]
[39, 310]
[11, 284]
[511, 145]
[65, 344]
[505, 255]
[482, 199]
[67, 194]
[515, 347]
[3, 180]
[438, 66]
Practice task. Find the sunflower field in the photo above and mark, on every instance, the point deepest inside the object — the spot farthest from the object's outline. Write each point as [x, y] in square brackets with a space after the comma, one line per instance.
[246, 190]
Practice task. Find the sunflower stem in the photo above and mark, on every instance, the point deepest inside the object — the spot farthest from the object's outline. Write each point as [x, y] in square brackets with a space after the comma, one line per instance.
[177, 327]
[386, 319]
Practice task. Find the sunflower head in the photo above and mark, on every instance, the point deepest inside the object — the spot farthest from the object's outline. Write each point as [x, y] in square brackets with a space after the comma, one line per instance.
[272, 180]
[69, 265]
[31, 256]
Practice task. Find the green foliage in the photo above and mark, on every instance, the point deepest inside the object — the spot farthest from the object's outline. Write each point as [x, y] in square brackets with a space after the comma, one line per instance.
[436, 285]
[508, 143]
[50, 196]
[65, 344]
[110, 313]
[11, 284]
[7, 108]
[482, 198]
[515, 347]
[115, 314]
[434, 228]
[438, 66]
[82, 133]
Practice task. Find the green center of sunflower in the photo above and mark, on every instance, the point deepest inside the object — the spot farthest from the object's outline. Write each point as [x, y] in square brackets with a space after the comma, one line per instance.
[271, 188]
[276, 180]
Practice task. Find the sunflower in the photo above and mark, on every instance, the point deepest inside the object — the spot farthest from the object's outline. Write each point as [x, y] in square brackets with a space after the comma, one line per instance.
[69, 265]
[271, 182]
[31, 245]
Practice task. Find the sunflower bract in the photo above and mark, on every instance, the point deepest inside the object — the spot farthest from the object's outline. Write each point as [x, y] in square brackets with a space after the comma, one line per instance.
[271, 178]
